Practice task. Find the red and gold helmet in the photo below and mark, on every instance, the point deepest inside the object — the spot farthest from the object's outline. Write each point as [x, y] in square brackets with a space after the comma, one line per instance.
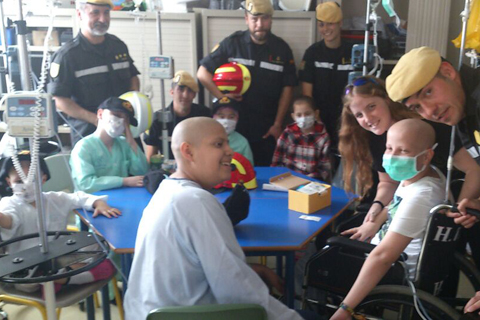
[232, 77]
[242, 173]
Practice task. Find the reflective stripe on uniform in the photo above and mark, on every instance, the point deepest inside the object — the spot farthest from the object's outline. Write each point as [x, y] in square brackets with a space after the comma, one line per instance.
[345, 67]
[473, 152]
[89, 71]
[121, 65]
[324, 65]
[245, 62]
[271, 66]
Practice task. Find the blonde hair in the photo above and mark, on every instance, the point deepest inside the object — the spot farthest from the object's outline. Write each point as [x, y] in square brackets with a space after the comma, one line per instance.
[354, 140]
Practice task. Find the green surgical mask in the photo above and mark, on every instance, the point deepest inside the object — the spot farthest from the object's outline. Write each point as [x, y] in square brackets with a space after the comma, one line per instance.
[401, 168]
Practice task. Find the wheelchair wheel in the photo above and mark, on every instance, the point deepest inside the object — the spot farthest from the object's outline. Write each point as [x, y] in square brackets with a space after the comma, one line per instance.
[468, 269]
[396, 302]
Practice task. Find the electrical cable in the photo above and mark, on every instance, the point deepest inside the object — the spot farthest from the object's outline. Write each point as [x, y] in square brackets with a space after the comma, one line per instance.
[35, 142]
[416, 300]
[69, 125]
[106, 250]
[147, 86]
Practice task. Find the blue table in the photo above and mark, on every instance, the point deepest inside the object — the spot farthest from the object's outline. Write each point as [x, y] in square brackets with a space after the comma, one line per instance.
[270, 229]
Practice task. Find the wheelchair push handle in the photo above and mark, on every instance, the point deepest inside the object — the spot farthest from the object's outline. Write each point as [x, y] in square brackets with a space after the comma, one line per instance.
[470, 211]
[454, 208]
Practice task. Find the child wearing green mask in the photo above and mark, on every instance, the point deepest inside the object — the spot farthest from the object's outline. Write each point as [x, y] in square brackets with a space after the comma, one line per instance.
[406, 159]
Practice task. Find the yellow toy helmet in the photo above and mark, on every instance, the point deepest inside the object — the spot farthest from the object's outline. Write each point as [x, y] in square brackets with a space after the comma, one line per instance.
[143, 111]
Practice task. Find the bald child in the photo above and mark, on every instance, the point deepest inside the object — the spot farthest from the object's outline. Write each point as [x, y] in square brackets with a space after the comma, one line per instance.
[422, 186]
[186, 252]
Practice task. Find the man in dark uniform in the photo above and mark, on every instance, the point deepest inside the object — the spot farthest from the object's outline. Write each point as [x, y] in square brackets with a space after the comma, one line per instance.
[270, 61]
[90, 68]
[438, 92]
[325, 67]
[184, 90]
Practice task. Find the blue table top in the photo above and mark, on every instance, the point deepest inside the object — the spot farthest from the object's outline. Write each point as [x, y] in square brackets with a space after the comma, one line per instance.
[270, 226]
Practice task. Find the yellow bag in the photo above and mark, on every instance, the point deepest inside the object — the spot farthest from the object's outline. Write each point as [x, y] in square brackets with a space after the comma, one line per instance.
[472, 40]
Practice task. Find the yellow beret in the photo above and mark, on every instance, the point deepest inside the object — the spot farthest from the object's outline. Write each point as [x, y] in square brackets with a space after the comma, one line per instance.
[98, 2]
[257, 7]
[183, 78]
[329, 12]
[413, 72]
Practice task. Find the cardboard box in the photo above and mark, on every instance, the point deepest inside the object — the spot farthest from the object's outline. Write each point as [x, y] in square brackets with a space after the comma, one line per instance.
[299, 201]
[38, 37]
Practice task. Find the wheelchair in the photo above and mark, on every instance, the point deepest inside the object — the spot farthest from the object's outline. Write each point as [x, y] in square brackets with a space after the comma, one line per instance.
[334, 269]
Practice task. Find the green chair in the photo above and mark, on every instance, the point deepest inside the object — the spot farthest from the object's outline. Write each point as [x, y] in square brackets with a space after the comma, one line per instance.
[210, 312]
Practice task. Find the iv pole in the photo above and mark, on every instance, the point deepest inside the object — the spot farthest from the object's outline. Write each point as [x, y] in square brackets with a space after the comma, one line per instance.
[41, 219]
[464, 14]
[367, 35]
[164, 118]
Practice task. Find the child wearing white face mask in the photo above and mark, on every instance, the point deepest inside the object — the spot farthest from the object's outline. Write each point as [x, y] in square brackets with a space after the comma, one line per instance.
[225, 111]
[304, 145]
[18, 216]
[109, 157]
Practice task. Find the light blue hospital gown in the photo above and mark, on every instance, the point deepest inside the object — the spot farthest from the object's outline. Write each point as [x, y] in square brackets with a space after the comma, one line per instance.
[95, 168]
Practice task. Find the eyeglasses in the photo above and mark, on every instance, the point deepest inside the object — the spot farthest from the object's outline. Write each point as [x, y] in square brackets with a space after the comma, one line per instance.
[358, 82]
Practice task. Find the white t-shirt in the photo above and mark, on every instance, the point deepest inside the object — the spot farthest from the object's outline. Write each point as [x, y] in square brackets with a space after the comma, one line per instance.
[24, 216]
[186, 253]
[409, 212]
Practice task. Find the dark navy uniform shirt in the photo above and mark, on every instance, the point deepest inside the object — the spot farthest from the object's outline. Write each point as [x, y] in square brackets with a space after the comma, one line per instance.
[469, 128]
[88, 74]
[152, 137]
[327, 70]
[271, 66]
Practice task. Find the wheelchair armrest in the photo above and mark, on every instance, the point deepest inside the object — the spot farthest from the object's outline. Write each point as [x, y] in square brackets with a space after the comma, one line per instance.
[360, 246]
[350, 244]
[470, 316]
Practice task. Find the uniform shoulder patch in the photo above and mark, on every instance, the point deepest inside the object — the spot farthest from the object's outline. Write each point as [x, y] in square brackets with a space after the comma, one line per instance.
[215, 48]
[477, 136]
[54, 69]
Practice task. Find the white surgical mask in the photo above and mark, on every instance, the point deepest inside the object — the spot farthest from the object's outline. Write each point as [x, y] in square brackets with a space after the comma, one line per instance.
[305, 122]
[114, 126]
[24, 191]
[228, 124]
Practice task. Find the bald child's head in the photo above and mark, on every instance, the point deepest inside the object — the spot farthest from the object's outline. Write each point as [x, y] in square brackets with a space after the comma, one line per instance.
[201, 150]
[414, 133]
[409, 150]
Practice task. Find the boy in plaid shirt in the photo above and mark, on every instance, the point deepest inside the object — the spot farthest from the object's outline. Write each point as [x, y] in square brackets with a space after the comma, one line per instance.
[304, 145]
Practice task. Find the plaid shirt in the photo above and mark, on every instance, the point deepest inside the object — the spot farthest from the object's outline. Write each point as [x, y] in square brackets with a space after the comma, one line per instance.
[304, 153]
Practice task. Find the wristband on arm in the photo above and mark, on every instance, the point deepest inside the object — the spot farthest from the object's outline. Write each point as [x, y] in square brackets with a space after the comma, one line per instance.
[351, 311]
[379, 203]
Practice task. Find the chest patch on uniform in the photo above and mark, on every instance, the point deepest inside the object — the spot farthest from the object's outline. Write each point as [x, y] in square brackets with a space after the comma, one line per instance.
[54, 70]
[121, 57]
[477, 136]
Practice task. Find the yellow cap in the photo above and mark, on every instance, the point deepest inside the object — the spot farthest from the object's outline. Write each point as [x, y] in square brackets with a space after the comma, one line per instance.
[98, 2]
[183, 78]
[329, 12]
[413, 72]
[258, 7]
